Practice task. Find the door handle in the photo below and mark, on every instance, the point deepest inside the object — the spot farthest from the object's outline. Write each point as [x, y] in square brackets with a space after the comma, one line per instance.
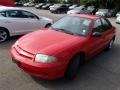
[27, 22]
[7, 22]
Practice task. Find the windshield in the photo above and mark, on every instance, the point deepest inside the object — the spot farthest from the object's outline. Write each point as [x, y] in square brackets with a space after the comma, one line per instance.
[118, 13]
[41, 4]
[90, 8]
[78, 8]
[57, 5]
[73, 5]
[103, 10]
[73, 25]
[47, 4]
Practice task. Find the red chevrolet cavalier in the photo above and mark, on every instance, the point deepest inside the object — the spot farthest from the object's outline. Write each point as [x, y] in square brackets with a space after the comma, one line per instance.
[58, 51]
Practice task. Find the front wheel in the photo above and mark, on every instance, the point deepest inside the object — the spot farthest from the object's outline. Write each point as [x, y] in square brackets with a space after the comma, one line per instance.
[48, 25]
[3, 35]
[73, 67]
[58, 12]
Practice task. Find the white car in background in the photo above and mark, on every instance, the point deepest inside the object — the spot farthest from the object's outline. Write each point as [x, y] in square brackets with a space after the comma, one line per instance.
[73, 6]
[29, 4]
[118, 19]
[16, 21]
[76, 10]
[118, 14]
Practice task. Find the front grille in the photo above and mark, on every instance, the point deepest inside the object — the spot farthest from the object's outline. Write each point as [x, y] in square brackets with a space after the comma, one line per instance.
[23, 53]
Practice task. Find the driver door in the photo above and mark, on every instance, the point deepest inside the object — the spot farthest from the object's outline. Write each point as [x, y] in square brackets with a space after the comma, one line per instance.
[96, 42]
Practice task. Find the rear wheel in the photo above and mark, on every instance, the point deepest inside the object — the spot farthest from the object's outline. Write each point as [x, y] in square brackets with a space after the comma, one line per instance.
[48, 25]
[110, 45]
[58, 12]
[73, 67]
[3, 35]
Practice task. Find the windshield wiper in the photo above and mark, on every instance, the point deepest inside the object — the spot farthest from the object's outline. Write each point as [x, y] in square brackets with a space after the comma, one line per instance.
[62, 30]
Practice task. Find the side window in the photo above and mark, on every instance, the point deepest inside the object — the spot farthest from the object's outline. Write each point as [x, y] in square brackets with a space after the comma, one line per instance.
[14, 14]
[64, 6]
[98, 26]
[3, 14]
[106, 24]
[97, 23]
[26, 14]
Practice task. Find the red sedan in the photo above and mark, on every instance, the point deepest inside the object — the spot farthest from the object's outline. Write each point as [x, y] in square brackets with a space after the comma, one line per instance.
[58, 51]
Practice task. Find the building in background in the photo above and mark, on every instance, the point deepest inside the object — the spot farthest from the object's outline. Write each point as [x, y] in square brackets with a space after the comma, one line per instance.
[7, 2]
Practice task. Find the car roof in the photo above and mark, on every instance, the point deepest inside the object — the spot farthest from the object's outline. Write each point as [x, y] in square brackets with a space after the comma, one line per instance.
[3, 8]
[93, 17]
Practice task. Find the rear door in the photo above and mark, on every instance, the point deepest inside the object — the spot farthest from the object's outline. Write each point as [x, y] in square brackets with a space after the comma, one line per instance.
[107, 31]
[33, 21]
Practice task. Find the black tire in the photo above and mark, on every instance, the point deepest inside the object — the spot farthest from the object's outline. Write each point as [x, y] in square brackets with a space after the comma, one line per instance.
[5, 34]
[110, 45]
[48, 25]
[57, 12]
[65, 11]
[73, 67]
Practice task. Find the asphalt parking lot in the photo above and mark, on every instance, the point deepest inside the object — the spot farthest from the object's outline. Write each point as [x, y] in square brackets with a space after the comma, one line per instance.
[101, 73]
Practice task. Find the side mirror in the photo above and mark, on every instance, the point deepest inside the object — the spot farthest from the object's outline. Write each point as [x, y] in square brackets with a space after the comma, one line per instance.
[96, 34]
[37, 18]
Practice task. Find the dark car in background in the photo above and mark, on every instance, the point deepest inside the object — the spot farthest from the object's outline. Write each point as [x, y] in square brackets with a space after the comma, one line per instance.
[38, 6]
[59, 8]
[46, 6]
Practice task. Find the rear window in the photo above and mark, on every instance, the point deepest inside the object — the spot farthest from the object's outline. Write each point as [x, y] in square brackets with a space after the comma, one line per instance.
[3, 14]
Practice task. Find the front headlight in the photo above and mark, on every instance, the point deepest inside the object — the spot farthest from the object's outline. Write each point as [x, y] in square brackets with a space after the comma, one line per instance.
[45, 58]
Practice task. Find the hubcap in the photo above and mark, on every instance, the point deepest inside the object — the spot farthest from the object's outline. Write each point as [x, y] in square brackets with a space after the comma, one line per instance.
[3, 35]
[111, 44]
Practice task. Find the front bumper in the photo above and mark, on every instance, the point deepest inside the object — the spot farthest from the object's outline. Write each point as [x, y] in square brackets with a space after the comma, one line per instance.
[45, 71]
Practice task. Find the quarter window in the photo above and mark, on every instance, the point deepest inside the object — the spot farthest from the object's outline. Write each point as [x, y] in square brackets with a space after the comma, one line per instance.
[28, 15]
[104, 22]
[3, 14]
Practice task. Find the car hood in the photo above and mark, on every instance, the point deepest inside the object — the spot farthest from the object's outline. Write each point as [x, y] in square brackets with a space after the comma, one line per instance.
[46, 19]
[47, 41]
[73, 12]
[72, 6]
